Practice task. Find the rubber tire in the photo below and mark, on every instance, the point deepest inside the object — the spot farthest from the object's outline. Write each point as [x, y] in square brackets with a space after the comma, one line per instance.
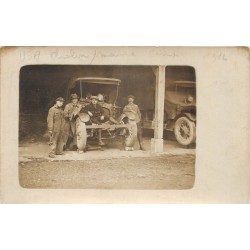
[81, 135]
[131, 136]
[192, 127]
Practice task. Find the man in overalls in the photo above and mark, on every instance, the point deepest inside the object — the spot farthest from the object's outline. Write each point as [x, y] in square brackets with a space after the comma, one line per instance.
[56, 122]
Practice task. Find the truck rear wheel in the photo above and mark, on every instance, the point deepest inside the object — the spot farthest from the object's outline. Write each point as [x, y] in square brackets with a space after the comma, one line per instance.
[185, 131]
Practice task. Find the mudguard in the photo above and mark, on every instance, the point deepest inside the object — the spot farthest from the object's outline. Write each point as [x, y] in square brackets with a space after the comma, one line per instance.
[190, 116]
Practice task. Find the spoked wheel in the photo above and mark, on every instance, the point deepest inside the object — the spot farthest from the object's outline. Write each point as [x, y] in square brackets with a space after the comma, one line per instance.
[81, 132]
[185, 131]
[131, 135]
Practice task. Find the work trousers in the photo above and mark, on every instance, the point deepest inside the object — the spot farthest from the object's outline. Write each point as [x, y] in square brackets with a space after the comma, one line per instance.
[56, 143]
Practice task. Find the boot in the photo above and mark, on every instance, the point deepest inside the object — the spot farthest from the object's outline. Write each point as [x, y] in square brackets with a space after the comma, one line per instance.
[51, 155]
[101, 143]
[142, 147]
[61, 153]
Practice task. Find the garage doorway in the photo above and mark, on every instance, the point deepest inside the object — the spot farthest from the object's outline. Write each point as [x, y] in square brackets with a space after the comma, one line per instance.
[40, 85]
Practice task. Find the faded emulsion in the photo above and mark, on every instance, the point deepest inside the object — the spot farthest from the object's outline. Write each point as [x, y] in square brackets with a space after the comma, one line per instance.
[152, 148]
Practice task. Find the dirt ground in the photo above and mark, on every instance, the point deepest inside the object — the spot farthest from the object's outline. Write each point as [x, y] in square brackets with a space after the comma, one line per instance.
[157, 172]
[110, 168]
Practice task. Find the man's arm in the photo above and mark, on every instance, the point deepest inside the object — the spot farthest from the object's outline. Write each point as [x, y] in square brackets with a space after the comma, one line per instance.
[50, 120]
[77, 110]
[101, 110]
[128, 109]
[125, 109]
[67, 113]
[87, 109]
[139, 112]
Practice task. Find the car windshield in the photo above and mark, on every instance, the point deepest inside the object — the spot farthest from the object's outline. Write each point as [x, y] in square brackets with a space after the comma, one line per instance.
[94, 86]
[178, 91]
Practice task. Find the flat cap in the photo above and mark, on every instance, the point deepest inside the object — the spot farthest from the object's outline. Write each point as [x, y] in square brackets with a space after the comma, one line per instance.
[94, 97]
[73, 96]
[131, 96]
[60, 99]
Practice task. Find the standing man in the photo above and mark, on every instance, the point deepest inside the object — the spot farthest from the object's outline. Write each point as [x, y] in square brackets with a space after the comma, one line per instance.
[55, 121]
[131, 107]
[71, 113]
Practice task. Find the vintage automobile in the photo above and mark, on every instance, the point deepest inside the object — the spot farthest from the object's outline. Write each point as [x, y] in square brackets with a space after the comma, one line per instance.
[109, 87]
[179, 111]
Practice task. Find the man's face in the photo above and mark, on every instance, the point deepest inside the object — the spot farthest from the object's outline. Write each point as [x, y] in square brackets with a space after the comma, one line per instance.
[74, 101]
[59, 103]
[94, 101]
[88, 95]
[130, 100]
[100, 98]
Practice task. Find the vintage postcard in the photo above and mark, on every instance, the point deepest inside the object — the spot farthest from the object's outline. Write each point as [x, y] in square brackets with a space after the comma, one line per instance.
[125, 124]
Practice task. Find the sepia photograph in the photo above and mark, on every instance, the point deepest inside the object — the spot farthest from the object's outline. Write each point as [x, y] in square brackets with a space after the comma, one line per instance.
[124, 124]
[114, 127]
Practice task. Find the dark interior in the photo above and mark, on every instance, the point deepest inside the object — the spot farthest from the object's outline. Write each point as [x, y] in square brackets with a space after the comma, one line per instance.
[40, 85]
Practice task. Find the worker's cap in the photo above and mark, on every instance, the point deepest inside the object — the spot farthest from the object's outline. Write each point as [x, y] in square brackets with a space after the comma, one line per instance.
[131, 96]
[60, 99]
[73, 96]
[93, 97]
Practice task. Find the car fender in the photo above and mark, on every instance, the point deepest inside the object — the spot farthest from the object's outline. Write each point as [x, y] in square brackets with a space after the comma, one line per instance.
[190, 116]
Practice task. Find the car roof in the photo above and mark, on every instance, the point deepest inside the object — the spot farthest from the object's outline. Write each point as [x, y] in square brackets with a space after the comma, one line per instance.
[184, 83]
[95, 80]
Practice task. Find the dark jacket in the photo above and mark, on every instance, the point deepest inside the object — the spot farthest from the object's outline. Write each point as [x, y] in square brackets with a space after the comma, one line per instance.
[96, 110]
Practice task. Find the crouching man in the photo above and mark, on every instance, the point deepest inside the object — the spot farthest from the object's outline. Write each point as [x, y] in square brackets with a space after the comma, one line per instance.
[96, 114]
[108, 116]
[56, 121]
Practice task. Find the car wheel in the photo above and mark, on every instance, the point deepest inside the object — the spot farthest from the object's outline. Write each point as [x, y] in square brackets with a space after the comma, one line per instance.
[131, 135]
[185, 131]
[81, 135]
